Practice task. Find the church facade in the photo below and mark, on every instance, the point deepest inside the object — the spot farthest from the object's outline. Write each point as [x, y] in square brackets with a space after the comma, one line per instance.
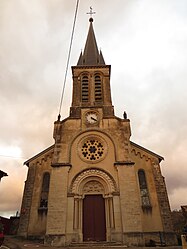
[94, 184]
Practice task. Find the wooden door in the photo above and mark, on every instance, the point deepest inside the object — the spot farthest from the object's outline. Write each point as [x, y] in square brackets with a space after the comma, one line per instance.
[94, 224]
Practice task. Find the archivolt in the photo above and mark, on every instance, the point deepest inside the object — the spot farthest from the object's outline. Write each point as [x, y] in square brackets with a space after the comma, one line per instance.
[93, 174]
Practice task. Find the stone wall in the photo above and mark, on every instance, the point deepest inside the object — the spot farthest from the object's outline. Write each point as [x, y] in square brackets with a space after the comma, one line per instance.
[26, 202]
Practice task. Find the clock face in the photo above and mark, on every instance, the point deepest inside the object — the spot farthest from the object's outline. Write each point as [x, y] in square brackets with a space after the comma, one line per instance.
[92, 117]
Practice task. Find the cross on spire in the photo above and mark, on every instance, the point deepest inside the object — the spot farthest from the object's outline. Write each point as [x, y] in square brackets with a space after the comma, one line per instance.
[91, 13]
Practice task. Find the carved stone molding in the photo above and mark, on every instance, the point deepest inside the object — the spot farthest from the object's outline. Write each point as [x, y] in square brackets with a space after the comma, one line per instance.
[93, 187]
[141, 154]
[93, 175]
[124, 163]
[58, 165]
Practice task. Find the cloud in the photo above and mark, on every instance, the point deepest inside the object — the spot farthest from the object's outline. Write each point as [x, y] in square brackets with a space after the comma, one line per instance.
[146, 44]
[12, 185]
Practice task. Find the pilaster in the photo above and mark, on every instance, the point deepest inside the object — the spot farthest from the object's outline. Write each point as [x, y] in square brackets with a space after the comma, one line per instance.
[129, 198]
[57, 204]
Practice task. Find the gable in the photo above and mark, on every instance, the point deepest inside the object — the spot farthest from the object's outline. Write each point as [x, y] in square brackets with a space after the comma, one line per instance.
[145, 152]
[40, 155]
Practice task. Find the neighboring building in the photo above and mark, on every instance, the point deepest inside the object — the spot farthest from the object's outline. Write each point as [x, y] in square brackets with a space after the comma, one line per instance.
[6, 224]
[10, 225]
[2, 174]
[184, 211]
[94, 184]
[179, 222]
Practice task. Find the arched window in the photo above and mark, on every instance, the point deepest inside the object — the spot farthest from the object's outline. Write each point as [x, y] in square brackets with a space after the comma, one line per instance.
[84, 89]
[143, 189]
[98, 89]
[45, 190]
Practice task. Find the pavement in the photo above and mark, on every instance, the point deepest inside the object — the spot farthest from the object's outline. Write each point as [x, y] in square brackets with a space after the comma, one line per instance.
[13, 242]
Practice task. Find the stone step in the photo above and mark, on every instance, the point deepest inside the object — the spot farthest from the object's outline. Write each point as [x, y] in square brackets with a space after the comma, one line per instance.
[97, 247]
[97, 244]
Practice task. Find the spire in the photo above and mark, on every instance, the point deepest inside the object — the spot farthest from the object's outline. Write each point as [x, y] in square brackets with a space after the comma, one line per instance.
[91, 54]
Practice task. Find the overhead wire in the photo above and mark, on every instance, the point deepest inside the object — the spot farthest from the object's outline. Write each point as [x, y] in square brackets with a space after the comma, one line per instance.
[66, 69]
[16, 157]
[68, 58]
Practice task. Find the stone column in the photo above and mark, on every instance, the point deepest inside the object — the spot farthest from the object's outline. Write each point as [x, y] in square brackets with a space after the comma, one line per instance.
[117, 232]
[184, 241]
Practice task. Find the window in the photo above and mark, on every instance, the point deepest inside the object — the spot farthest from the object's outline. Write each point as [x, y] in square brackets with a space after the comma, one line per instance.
[143, 189]
[92, 149]
[45, 190]
[84, 88]
[98, 89]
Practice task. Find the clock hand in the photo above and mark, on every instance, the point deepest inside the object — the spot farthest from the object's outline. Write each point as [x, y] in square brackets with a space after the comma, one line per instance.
[93, 119]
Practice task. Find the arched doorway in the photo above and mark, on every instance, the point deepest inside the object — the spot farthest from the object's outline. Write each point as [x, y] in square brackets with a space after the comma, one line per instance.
[94, 221]
[93, 215]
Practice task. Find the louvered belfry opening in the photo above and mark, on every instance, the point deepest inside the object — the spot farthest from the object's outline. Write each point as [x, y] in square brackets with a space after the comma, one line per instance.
[85, 89]
[98, 89]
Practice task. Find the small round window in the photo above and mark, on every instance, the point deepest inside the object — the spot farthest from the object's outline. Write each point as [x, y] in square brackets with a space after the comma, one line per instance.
[92, 149]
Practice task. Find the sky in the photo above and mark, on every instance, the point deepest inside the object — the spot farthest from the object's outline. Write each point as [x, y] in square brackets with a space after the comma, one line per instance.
[145, 42]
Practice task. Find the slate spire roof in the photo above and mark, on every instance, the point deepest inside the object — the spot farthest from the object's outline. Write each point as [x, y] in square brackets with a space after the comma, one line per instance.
[91, 55]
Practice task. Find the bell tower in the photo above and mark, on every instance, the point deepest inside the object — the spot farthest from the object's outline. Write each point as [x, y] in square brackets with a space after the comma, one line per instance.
[91, 80]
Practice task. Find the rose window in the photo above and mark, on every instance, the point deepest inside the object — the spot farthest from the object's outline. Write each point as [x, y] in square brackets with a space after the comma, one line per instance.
[92, 149]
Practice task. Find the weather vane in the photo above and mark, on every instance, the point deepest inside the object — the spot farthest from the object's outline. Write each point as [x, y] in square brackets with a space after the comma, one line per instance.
[91, 12]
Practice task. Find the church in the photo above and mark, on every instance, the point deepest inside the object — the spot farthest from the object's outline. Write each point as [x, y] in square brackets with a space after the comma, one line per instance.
[94, 185]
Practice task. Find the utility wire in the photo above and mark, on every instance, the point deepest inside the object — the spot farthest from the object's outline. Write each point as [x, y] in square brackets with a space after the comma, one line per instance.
[16, 157]
[68, 59]
[66, 70]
